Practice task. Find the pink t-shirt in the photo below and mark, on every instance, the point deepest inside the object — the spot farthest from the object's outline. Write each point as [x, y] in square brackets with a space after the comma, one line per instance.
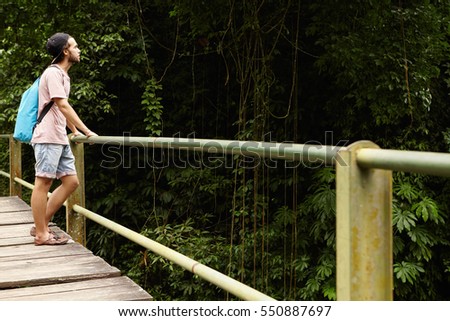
[55, 83]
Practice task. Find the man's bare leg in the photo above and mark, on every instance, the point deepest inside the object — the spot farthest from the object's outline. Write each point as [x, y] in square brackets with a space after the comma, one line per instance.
[60, 194]
[39, 206]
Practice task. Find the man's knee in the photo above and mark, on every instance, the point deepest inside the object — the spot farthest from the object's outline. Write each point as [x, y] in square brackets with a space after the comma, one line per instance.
[43, 183]
[71, 182]
[75, 184]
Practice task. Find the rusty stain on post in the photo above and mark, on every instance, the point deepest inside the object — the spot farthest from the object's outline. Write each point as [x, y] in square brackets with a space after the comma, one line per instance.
[363, 228]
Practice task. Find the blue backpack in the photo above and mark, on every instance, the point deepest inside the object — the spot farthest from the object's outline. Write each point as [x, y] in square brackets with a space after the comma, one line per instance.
[27, 115]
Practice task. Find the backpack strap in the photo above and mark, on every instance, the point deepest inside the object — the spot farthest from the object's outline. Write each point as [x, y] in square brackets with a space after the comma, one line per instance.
[45, 110]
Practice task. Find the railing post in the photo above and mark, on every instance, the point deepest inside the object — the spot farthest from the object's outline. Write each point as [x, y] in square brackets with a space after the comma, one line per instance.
[363, 228]
[15, 166]
[76, 223]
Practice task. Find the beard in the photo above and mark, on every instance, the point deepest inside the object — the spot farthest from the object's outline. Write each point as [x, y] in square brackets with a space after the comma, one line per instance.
[74, 59]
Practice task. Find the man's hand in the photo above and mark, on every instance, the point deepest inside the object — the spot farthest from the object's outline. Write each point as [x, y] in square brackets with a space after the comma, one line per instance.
[74, 134]
[90, 133]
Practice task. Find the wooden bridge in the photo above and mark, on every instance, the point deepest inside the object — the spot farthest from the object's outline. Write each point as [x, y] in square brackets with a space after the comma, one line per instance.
[68, 272]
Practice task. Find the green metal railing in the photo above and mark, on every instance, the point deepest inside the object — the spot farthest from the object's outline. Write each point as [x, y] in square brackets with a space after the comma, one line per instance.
[405, 161]
[363, 204]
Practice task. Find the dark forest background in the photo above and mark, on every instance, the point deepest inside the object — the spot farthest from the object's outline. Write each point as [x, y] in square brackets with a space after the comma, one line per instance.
[329, 72]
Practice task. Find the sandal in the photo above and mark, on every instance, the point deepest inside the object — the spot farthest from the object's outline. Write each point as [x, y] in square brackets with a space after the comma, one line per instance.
[33, 231]
[53, 240]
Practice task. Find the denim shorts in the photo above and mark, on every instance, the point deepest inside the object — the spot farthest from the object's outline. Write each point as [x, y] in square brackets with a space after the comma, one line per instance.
[54, 160]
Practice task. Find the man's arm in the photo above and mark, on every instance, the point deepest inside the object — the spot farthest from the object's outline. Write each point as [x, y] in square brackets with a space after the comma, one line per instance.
[72, 128]
[73, 121]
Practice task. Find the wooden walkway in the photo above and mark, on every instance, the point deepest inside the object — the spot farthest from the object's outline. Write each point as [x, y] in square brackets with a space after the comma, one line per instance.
[65, 272]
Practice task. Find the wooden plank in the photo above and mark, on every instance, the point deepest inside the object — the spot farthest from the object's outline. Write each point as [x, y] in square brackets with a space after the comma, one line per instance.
[11, 235]
[12, 204]
[7, 231]
[40, 271]
[30, 251]
[107, 289]
[15, 241]
[16, 217]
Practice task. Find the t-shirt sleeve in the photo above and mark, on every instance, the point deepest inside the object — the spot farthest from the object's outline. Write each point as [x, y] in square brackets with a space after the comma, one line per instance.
[55, 83]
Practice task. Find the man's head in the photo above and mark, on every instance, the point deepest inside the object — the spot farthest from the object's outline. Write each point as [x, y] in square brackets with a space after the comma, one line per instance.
[61, 45]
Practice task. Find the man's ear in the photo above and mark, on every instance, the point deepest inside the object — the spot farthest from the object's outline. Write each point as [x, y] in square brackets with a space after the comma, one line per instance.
[66, 51]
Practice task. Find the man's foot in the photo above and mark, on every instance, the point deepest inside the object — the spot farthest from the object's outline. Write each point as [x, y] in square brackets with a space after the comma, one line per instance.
[33, 231]
[52, 240]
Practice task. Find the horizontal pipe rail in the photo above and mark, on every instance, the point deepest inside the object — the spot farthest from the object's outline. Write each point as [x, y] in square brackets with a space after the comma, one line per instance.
[25, 183]
[288, 151]
[2, 173]
[228, 284]
[431, 163]
[405, 161]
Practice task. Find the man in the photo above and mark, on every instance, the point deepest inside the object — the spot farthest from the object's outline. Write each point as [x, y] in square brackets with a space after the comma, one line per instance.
[54, 158]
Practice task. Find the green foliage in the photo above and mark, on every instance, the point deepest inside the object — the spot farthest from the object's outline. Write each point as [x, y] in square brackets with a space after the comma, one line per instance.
[186, 239]
[390, 74]
[418, 220]
[407, 272]
[151, 105]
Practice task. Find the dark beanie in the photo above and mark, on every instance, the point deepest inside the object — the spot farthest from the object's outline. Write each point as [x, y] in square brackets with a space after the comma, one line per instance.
[56, 43]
